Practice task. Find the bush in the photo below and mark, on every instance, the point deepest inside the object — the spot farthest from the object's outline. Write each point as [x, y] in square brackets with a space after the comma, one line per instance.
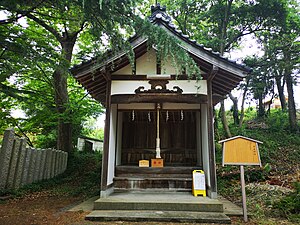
[289, 206]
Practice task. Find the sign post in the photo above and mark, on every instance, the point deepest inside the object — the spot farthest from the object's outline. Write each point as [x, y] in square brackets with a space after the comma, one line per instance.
[241, 151]
[244, 194]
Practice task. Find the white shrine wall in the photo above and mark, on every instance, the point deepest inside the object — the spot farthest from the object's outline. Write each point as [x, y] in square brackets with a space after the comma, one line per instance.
[129, 86]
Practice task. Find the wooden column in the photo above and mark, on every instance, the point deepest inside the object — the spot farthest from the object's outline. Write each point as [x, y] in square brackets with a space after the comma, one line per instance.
[105, 153]
[211, 138]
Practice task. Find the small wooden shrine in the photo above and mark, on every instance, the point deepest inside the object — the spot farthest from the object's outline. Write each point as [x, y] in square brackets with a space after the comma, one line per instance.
[151, 113]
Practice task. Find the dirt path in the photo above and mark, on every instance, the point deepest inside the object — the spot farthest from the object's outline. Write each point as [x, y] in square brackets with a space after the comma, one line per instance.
[46, 208]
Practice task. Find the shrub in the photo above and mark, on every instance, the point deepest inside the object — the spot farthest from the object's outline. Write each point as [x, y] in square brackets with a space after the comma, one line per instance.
[289, 206]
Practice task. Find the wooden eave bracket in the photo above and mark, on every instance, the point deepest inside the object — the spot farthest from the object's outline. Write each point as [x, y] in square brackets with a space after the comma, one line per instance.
[213, 72]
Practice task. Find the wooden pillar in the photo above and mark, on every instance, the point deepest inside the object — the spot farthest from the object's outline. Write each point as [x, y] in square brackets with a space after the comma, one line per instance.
[105, 154]
[211, 138]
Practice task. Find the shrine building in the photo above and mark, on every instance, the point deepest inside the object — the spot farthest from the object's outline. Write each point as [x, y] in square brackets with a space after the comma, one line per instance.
[152, 112]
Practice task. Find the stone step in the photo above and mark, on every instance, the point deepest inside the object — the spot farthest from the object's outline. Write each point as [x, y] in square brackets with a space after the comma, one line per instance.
[161, 201]
[157, 215]
[139, 183]
[125, 170]
[158, 175]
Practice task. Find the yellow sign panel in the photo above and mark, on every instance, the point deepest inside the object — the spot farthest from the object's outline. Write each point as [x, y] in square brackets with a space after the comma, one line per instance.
[143, 163]
[240, 151]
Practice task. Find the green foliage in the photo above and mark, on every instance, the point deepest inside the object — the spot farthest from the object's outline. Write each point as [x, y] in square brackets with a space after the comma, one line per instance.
[278, 120]
[168, 48]
[289, 206]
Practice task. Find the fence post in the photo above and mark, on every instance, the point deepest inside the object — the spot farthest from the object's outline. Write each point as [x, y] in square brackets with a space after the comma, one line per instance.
[37, 165]
[21, 164]
[48, 163]
[5, 156]
[13, 163]
[43, 166]
[66, 161]
[30, 177]
[53, 163]
[25, 173]
[61, 162]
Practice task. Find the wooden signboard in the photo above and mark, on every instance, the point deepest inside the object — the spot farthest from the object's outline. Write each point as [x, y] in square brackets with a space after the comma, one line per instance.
[143, 163]
[240, 150]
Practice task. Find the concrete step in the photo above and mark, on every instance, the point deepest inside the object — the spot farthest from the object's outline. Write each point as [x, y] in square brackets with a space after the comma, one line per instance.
[162, 201]
[154, 171]
[157, 215]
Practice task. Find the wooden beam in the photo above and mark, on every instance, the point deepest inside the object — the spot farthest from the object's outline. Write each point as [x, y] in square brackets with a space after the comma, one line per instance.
[213, 72]
[218, 90]
[98, 90]
[129, 77]
[96, 86]
[159, 98]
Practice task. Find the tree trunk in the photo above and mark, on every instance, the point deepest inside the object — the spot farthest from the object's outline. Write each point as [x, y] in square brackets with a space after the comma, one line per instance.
[216, 125]
[280, 88]
[235, 110]
[291, 103]
[243, 104]
[60, 76]
[223, 34]
[224, 120]
[261, 108]
[289, 86]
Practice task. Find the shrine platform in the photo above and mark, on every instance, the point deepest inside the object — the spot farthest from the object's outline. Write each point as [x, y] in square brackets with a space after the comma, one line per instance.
[134, 178]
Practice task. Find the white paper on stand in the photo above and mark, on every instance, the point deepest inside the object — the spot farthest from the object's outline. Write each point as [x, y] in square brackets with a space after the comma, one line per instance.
[199, 181]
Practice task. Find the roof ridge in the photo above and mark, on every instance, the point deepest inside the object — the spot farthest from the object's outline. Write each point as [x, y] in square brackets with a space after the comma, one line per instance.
[159, 14]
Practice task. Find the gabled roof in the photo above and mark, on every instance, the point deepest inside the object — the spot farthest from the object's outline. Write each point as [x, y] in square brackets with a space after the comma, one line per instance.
[160, 17]
[94, 75]
[237, 137]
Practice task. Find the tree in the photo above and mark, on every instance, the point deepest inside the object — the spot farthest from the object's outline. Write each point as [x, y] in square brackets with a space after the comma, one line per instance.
[282, 52]
[221, 24]
[63, 24]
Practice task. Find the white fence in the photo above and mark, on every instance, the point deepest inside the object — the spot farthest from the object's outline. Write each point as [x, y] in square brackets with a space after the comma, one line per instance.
[20, 165]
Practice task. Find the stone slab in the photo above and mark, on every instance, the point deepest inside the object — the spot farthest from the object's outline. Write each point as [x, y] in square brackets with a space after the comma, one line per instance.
[47, 173]
[230, 209]
[37, 166]
[162, 216]
[5, 156]
[13, 163]
[53, 158]
[42, 165]
[86, 206]
[65, 161]
[26, 167]
[165, 201]
[21, 164]
[59, 159]
[30, 177]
